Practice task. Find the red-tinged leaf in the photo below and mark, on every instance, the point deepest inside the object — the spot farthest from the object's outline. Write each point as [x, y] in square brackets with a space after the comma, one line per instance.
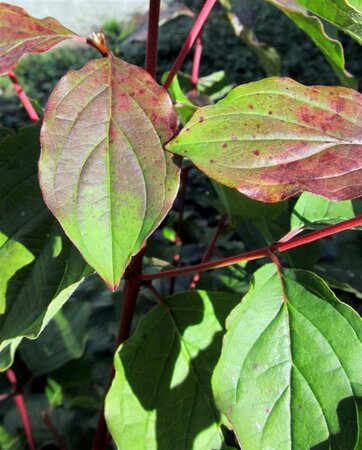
[103, 171]
[21, 34]
[275, 138]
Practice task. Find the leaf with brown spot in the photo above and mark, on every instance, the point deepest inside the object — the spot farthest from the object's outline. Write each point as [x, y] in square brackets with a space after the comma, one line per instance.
[103, 171]
[296, 138]
[20, 34]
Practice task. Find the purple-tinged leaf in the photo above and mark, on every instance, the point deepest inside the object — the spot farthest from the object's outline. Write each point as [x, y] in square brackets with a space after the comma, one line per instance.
[103, 171]
[275, 138]
[21, 34]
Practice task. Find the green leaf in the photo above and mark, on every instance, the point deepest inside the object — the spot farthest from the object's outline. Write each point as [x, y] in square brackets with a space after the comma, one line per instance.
[7, 353]
[290, 372]
[103, 171]
[311, 211]
[39, 266]
[274, 138]
[313, 26]
[8, 441]
[215, 85]
[161, 395]
[63, 340]
[5, 132]
[343, 272]
[240, 208]
[242, 16]
[344, 14]
[184, 107]
[54, 392]
[21, 34]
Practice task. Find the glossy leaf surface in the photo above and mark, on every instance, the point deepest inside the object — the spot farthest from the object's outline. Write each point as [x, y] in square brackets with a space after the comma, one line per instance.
[313, 26]
[161, 395]
[30, 241]
[312, 211]
[103, 171]
[21, 34]
[290, 373]
[344, 14]
[275, 138]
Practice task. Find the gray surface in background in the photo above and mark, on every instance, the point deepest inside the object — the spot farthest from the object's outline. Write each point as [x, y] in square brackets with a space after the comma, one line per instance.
[83, 16]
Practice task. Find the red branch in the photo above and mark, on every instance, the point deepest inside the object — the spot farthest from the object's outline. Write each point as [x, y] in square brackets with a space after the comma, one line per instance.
[260, 253]
[20, 403]
[197, 61]
[152, 37]
[130, 292]
[23, 98]
[210, 249]
[195, 30]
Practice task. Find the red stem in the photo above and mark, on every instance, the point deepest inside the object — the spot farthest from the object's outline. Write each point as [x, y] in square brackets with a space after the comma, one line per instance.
[20, 403]
[260, 253]
[130, 292]
[195, 30]
[23, 98]
[210, 249]
[134, 270]
[197, 61]
[152, 37]
[49, 423]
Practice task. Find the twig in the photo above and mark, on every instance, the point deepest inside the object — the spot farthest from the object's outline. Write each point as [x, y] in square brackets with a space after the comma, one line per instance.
[260, 253]
[155, 292]
[49, 423]
[98, 41]
[152, 37]
[33, 116]
[20, 403]
[210, 249]
[197, 60]
[195, 30]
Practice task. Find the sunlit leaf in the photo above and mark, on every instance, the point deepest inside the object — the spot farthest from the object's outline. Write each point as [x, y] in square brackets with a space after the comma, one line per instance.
[184, 107]
[274, 138]
[40, 268]
[290, 372]
[161, 395]
[103, 171]
[21, 34]
[312, 211]
[344, 14]
[313, 26]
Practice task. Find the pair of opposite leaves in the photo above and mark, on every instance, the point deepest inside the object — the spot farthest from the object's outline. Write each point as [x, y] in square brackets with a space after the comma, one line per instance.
[103, 169]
